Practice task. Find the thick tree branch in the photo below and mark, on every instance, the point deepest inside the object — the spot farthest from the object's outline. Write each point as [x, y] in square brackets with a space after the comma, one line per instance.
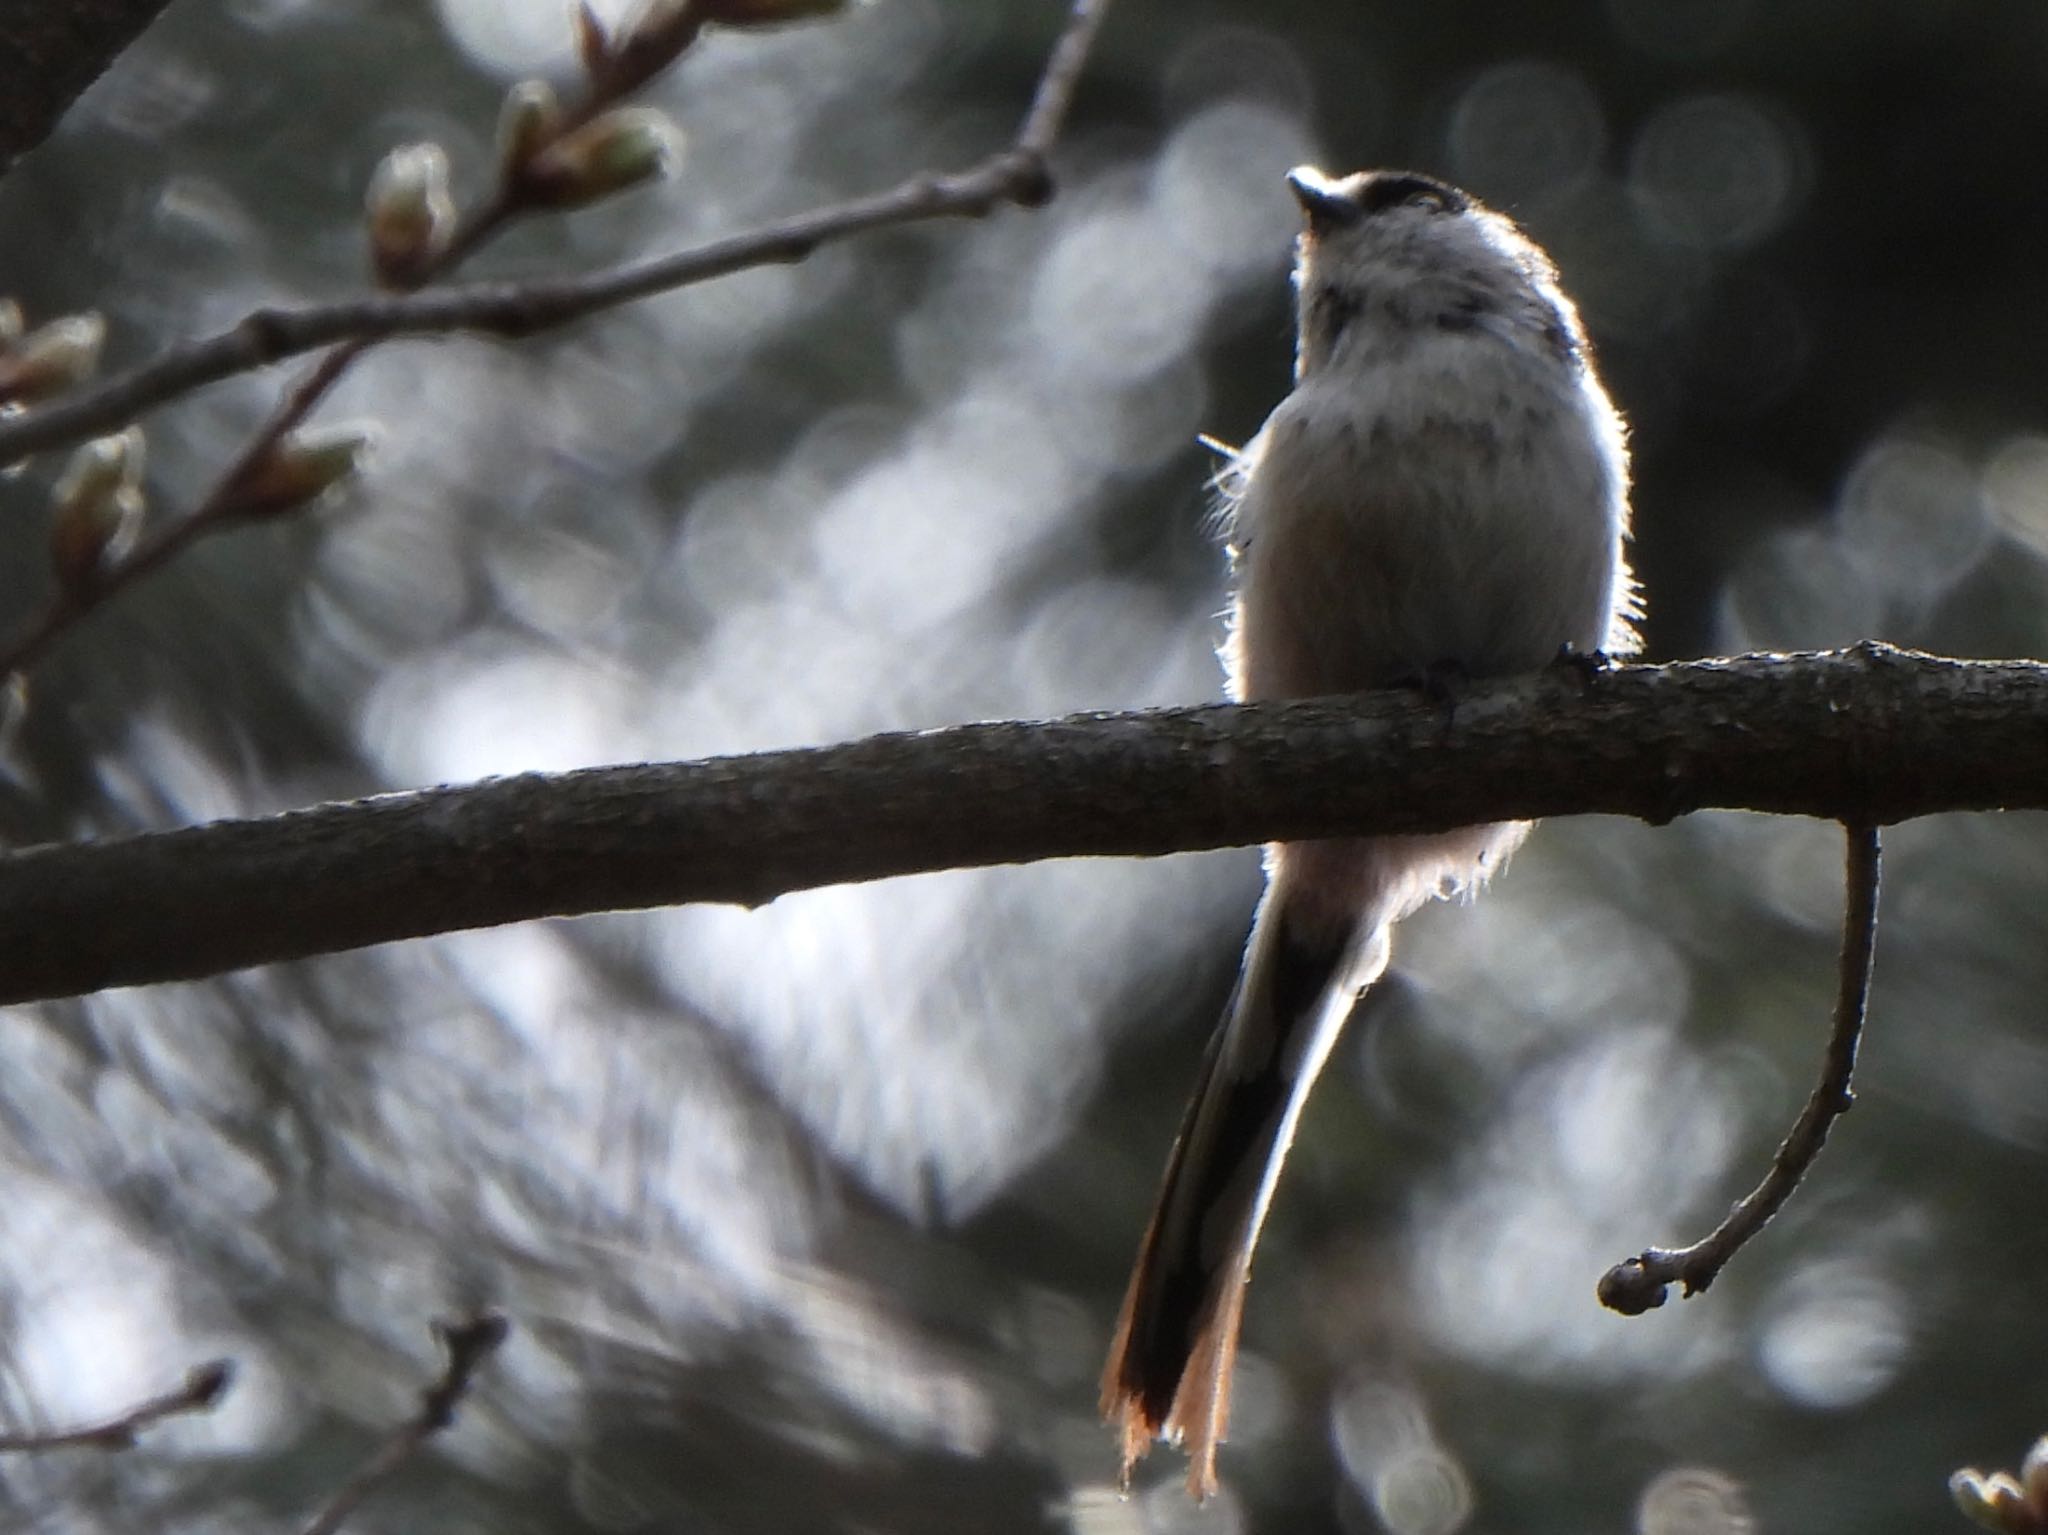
[49, 54]
[1015, 174]
[1870, 735]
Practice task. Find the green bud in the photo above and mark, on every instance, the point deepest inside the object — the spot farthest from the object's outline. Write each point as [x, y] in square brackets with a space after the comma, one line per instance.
[651, 38]
[2009, 1501]
[2034, 1479]
[608, 154]
[593, 47]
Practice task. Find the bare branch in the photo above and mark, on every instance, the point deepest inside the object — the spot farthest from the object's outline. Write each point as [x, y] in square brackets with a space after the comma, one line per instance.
[510, 309]
[49, 54]
[203, 1387]
[1062, 77]
[468, 1344]
[273, 334]
[1871, 735]
[1017, 174]
[1642, 1283]
[70, 603]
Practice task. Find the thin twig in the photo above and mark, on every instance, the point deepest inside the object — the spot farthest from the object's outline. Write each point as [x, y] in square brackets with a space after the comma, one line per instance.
[1017, 174]
[203, 1387]
[68, 604]
[222, 506]
[1641, 1283]
[1062, 76]
[512, 309]
[468, 1344]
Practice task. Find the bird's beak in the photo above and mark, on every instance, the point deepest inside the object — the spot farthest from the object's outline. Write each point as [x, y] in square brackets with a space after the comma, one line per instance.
[1326, 204]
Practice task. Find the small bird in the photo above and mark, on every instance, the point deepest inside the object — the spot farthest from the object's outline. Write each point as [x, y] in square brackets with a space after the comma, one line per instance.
[1443, 495]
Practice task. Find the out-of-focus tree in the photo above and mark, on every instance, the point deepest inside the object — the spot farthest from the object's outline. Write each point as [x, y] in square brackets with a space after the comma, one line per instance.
[815, 1216]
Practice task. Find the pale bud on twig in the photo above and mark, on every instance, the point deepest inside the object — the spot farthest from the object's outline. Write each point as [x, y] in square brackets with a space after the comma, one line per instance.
[2009, 1501]
[2034, 1479]
[52, 358]
[653, 37]
[1966, 1488]
[593, 46]
[302, 468]
[99, 507]
[530, 117]
[608, 154]
[11, 322]
[411, 213]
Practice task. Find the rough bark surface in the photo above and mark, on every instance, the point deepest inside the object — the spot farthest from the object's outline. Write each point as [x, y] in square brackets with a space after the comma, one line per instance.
[50, 51]
[1869, 735]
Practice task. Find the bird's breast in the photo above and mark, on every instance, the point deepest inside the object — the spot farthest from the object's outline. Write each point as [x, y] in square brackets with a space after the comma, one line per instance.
[1418, 517]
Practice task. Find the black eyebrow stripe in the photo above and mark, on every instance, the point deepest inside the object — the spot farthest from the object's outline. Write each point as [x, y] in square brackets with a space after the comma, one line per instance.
[1395, 187]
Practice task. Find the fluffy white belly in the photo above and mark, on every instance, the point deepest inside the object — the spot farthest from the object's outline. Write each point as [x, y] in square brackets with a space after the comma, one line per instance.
[1380, 538]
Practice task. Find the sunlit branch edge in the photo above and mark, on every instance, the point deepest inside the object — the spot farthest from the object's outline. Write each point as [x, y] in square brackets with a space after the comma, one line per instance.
[1871, 735]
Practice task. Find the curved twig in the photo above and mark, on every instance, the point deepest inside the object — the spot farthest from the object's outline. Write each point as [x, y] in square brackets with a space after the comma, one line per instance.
[1642, 1283]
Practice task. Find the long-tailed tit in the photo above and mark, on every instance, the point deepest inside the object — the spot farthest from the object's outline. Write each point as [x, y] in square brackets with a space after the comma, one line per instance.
[1445, 491]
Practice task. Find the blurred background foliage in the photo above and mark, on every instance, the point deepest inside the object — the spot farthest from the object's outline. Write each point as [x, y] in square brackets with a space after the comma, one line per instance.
[816, 1217]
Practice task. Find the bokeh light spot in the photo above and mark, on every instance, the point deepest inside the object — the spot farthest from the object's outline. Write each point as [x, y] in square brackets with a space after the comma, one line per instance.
[1526, 128]
[1694, 1500]
[1842, 1336]
[1715, 171]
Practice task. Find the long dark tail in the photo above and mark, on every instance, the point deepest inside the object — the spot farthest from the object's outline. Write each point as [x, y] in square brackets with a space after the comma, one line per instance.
[1169, 1364]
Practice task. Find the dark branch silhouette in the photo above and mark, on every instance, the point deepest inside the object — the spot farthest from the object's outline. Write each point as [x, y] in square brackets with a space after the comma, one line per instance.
[468, 1343]
[203, 1387]
[49, 54]
[1870, 735]
[1642, 1283]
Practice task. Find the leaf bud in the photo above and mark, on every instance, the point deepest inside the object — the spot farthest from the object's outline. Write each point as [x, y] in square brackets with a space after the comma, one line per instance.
[608, 154]
[530, 117]
[52, 358]
[302, 468]
[411, 214]
[99, 506]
